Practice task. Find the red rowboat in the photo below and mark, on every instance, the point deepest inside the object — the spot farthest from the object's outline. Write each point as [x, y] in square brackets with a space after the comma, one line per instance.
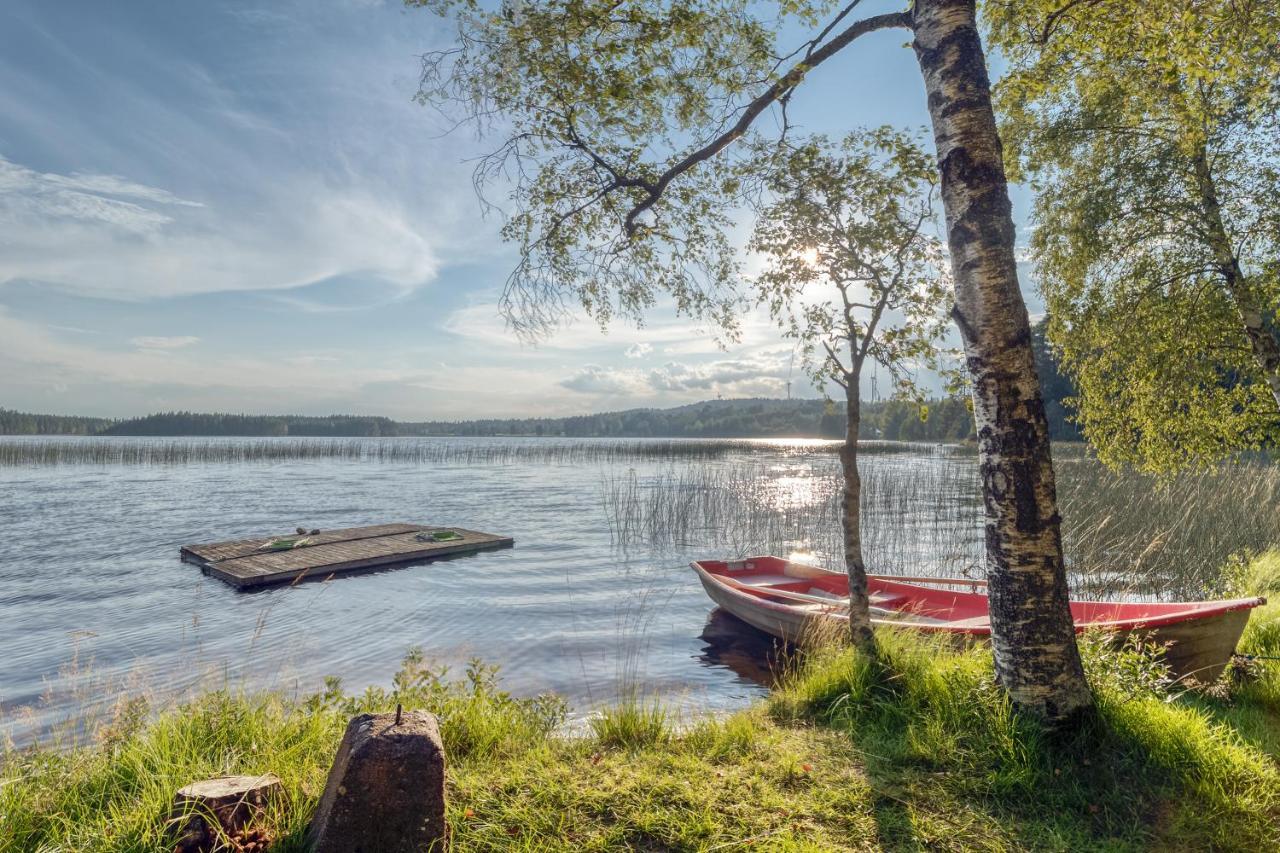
[786, 599]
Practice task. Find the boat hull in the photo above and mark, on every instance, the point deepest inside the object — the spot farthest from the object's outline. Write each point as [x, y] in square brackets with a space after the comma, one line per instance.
[1198, 648]
[1199, 638]
[784, 623]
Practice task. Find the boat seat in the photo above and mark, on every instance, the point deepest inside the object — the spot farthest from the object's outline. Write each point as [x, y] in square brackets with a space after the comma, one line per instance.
[766, 580]
[972, 622]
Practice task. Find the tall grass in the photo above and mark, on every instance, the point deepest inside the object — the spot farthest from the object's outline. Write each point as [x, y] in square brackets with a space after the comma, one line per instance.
[116, 794]
[1124, 534]
[479, 451]
[1124, 531]
[913, 749]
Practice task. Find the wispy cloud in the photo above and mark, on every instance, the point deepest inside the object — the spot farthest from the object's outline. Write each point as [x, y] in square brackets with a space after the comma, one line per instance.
[106, 235]
[109, 201]
[164, 342]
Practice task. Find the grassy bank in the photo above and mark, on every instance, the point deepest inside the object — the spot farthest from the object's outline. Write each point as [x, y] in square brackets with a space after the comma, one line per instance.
[914, 749]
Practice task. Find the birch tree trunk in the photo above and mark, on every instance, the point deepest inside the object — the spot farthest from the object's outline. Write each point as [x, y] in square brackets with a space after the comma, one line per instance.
[1032, 634]
[859, 611]
[1262, 341]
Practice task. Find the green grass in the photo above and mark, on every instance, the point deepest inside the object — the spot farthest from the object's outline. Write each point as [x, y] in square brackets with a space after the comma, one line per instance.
[912, 750]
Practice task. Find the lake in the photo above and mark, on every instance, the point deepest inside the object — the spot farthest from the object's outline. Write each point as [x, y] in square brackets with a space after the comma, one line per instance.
[594, 599]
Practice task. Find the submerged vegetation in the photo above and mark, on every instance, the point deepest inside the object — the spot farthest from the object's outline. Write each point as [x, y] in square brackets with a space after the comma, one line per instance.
[915, 748]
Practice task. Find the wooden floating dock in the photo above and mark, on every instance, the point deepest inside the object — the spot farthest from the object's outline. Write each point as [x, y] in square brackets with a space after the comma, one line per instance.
[247, 563]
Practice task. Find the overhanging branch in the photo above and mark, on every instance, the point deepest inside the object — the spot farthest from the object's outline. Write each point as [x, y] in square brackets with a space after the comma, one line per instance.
[783, 86]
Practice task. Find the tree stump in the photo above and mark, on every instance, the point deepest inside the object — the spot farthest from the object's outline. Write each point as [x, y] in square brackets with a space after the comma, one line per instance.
[209, 812]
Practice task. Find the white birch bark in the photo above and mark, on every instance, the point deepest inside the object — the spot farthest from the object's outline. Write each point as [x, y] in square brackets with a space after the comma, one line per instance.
[1262, 342]
[1032, 634]
[859, 605]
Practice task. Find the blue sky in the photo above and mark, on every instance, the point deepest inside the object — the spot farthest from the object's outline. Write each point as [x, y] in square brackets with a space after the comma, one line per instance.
[236, 206]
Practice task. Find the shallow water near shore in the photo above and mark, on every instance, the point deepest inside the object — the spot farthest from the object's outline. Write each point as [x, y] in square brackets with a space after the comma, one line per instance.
[94, 601]
[595, 601]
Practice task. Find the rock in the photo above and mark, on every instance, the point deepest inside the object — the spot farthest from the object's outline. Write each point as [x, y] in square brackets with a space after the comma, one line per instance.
[385, 792]
[208, 811]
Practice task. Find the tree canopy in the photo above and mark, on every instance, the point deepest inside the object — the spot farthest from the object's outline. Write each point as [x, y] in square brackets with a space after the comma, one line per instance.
[613, 113]
[1151, 136]
[853, 270]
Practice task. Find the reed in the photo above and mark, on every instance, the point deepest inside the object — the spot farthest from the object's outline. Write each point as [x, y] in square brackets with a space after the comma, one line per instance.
[420, 451]
[1124, 534]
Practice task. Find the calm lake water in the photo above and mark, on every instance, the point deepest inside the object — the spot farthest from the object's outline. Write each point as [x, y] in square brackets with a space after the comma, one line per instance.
[94, 601]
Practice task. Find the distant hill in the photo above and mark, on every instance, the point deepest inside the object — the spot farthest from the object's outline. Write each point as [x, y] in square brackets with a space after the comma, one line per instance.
[948, 420]
[941, 420]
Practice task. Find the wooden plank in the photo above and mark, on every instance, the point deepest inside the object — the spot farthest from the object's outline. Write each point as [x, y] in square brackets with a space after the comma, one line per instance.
[346, 550]
[246, 547]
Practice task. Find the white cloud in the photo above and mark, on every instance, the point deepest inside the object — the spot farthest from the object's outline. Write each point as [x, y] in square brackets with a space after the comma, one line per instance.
[164, 342]
[311, 359]
[594, 379]
[763, 372]
[106, 201]
[753, 374]
[639, 350]
[106, 235]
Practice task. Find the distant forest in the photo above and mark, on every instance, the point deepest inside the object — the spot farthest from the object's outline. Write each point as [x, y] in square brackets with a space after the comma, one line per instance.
[894, 420]
[940, 420]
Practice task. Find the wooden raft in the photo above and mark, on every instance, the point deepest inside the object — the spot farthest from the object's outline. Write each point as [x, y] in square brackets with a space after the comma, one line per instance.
[248, 563]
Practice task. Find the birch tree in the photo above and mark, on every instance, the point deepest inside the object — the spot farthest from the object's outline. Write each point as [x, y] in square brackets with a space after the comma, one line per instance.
[853, 273]
[619, 123]
[1153, 138]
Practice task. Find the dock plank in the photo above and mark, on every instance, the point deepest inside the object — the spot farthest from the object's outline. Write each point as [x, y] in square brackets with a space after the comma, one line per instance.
[248, 547]
[243, 564]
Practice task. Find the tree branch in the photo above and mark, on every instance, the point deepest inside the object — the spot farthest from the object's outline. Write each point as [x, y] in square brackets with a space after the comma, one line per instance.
[779, 89]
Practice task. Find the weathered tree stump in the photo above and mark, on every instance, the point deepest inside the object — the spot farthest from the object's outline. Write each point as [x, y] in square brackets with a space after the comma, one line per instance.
[209, 811]
[385, 792]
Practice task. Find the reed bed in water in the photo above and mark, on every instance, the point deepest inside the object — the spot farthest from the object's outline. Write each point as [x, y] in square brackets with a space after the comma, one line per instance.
[433, 451]
[1124, 534]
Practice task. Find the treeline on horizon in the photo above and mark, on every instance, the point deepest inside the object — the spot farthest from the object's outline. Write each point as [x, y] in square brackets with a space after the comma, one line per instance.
[892, 420]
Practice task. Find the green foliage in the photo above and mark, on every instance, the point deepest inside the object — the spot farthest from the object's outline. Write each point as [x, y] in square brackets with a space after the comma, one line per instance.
[1259, 576]
[1056, 388]
[476, 717]
[621, 125]
[117, 796]
[1150, 138]
[191, 423]
[747, 418]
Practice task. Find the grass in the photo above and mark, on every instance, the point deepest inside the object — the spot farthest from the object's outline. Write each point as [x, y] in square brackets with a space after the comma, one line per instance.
[913, 749]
